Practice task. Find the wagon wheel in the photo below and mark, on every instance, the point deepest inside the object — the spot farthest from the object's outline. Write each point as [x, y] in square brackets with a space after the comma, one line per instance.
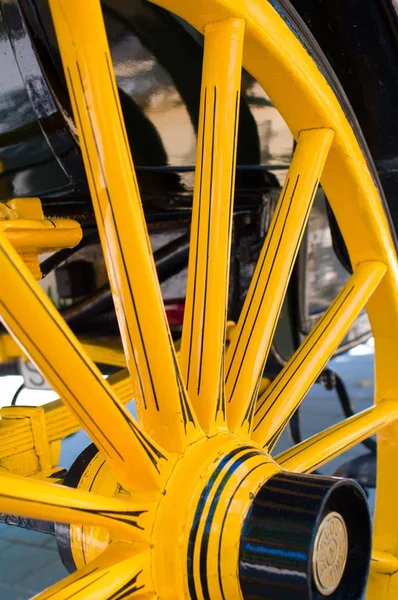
[188, 502]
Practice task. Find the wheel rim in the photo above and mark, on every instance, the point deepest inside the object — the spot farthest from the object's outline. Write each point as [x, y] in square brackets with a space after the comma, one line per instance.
[188, 419]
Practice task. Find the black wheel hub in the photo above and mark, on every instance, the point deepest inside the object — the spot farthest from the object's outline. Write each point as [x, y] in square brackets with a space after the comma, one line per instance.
[306, 537]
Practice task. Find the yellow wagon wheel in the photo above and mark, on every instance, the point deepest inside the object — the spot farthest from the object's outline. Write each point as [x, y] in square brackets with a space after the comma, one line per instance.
[188, 502]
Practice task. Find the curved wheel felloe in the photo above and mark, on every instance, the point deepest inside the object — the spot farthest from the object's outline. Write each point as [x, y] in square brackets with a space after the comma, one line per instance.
[188, 501]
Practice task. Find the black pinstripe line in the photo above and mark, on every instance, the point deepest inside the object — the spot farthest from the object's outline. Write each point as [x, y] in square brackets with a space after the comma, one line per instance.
[185, 405]
[119, 241]
[221, 404]
[197, 238]
[343, 448]
[77, 350]
[296, 450]
[106, 238]
[83, 588]
[251, 411]
[185, 402]
[268, 243]
[129, 588]
[47, 596]
[312, 345]
[221, 400]
[204, 310]
[311, 442]
[89, 489]
[121, 119]
[209, 519]
[273, 385]
[151, 450]
[223, 525]
[43, 359]
[272, 442]
[243, 356]
[137, 432]
[198, 516]
[302, 347]
[185, 408]
[275, 324]
[252, 404]
[87, 511]
[234, 151]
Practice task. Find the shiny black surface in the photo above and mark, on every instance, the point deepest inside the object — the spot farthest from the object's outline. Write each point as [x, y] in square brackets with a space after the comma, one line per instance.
[360, 40]
[62, 531]
[158, 63]
[279, 533]
[29, 120]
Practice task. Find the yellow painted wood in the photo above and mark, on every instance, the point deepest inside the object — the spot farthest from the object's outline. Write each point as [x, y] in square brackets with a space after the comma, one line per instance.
[384, 563]
[42, 500]
[250, 344]
[162, 401]
[277, 59]
[18, 447]
[299, 91]
[117, 573]
[323, 447]
[203, 337]
[277, 405]
[107, 352]
[51, 345]
[23, 222]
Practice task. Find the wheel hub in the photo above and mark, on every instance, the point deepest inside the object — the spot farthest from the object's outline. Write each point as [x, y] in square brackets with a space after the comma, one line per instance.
[227, 507]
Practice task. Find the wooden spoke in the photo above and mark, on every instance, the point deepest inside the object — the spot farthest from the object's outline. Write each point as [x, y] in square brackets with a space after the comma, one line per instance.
[162, 402]
[116, 574]
[48, 501]
[203, 338]
[252, 338]
[323, 447]
[279, 402]
[47, 340]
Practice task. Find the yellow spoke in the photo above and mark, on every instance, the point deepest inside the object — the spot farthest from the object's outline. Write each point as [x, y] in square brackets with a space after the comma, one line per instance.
[279, 402]
[48, 501]
[323, 447]
[117, 573]
[253, 335]
[42, 333]
[203, 338]
[162, 401]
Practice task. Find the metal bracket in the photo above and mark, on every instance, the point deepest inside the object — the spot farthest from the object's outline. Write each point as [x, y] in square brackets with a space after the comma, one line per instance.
[31, 233]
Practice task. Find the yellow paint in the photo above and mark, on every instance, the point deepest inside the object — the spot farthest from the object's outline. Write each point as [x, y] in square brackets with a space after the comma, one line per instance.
[115, 572]
[323, 447]
[172, 471]
[23, 222]
[203, 334]
[24, 458]
[35, 499]
[150, 356]
[251, 342]
[282, 398]
[384, 563]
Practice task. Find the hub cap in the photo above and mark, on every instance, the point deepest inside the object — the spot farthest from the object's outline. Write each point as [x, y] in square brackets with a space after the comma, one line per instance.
[330, 553]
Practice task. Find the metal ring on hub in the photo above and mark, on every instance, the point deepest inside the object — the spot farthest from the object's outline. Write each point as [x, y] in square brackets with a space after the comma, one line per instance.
[330, 553]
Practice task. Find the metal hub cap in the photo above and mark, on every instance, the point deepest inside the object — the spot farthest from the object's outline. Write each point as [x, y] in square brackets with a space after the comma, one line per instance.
[330, 553]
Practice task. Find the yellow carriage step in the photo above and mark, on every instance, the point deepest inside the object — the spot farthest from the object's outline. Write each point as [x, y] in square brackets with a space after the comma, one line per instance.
[30, 437]
[23, 222]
